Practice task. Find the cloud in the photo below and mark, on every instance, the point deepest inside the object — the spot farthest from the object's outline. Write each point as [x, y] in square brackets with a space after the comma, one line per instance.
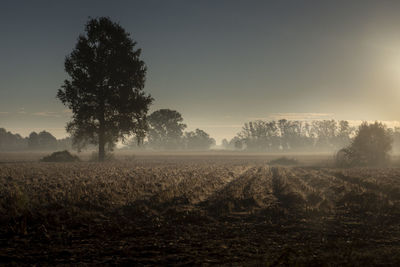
[219, 126]
[298, 116]
[47, 114]
[4, 112]
[389, 124]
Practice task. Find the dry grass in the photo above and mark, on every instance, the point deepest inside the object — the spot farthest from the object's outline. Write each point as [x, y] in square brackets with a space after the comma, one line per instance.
[198, 209]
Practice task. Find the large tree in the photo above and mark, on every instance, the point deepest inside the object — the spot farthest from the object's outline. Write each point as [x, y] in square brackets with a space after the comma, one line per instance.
[166, 129]
[105, 89]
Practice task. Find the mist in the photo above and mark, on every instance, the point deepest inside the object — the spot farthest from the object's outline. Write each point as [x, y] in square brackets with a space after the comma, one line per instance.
[197, 133]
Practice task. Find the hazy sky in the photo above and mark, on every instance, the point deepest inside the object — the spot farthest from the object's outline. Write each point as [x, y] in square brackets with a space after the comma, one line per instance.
[219, 63]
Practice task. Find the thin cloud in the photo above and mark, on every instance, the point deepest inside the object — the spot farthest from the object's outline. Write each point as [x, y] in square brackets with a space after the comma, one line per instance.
[47, 114]
[300, 116]
[219, 126]
[4, 112]
[389, 124]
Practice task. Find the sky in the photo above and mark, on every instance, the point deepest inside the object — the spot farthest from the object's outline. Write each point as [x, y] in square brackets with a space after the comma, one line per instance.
[219, 63]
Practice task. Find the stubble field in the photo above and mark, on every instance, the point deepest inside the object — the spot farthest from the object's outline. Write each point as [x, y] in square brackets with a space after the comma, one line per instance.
[198, 210]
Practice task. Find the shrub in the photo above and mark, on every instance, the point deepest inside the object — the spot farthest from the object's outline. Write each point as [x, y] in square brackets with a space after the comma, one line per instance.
[344, 158]
[369, 147]
[60, 156]
[284, 161]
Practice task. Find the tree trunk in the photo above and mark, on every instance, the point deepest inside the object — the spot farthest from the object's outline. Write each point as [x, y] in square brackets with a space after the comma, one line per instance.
[101, 145]
[102, 141]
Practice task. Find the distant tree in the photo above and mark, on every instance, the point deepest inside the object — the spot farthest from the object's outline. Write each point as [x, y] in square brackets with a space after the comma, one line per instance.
[259, 135]
[3, 141]
[325, 132]
[345, 132]
[134, 143]
[283, 125]
[10, 141]
[47, 141]
[166, 129]
[396, 139]
[33, 141]
[292, 135]
[225, 143]
[105, 89]
[371, 146]
[44, 140]
[64, 143]
[198, 139]
[237, 143]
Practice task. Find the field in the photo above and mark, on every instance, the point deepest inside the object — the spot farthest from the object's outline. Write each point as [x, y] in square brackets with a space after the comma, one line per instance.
[197, 209]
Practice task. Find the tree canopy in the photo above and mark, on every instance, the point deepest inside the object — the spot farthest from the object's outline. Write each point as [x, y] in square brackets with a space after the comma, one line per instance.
[43, 140]
[371, 146]
[105, 89]
[166, 129]
[198, 139]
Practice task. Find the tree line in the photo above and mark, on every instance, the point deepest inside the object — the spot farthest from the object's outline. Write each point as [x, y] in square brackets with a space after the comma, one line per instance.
[35, 141]
[166, 131]
[284, 135]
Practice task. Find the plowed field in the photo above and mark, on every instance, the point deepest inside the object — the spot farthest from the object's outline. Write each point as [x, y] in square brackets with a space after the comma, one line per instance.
[198, 211]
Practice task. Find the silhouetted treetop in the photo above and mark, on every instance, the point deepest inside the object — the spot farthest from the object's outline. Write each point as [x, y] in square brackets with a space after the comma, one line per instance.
[371, 146]
[198, 139]
[166, 128]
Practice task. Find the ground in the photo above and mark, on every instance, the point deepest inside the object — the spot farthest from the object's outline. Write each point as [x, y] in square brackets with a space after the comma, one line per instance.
[197, 209]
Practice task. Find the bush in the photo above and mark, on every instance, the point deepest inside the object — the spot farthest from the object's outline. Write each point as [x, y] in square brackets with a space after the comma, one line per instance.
[344, 158]
[60, 156]
[370, 147]
[284, 161]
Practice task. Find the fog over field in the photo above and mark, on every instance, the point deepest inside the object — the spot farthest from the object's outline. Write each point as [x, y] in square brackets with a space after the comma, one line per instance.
[199, 133]
[219, 64]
